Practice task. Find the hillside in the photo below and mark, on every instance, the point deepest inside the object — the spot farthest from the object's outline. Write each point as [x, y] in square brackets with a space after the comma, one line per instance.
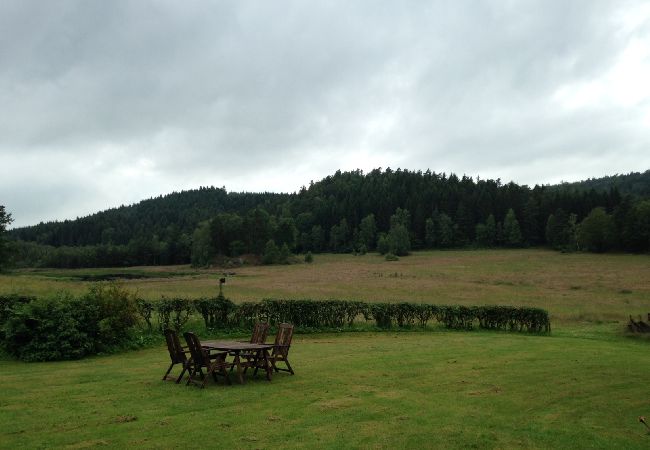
[633, 183]
[343, 212]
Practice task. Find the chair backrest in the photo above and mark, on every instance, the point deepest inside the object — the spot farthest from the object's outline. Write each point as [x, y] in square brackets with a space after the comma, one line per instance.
[197, 352]
[176, 352]
[260, 332]
[283, 339]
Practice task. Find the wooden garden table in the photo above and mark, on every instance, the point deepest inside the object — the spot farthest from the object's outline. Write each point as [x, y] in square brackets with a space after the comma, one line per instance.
[236, 348]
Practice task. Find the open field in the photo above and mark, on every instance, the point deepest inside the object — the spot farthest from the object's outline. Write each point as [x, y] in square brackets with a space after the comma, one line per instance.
[574, 288]
[583, 386]
[386, 390]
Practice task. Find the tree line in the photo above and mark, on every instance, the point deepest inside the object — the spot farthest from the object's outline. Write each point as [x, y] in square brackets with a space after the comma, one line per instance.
[390, 211]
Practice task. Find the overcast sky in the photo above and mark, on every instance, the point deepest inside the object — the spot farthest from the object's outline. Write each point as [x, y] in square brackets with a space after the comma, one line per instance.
[109, 102]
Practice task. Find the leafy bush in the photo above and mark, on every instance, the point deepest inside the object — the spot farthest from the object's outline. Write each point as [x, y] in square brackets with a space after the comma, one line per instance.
[7, 305]
[110, 313]
[47, 329]
[64, 327]
[173, 313]
[215, 311]
[145, 310]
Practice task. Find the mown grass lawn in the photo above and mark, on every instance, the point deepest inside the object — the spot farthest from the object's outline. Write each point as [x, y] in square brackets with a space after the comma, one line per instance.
[368, 390]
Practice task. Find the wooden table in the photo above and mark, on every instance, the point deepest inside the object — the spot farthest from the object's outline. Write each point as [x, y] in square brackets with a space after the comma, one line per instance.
[236, 348]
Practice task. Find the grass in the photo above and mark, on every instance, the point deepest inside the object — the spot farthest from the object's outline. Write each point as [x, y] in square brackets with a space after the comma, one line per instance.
[584, 386]
[386, 390]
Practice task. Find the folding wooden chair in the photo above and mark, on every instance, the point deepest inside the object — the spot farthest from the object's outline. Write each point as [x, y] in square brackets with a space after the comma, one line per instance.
[201, 358]
[178, 355]
[281, 348]
[260, 331]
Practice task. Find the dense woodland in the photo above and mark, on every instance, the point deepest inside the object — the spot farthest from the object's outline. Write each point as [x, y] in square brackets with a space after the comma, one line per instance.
[393, 211]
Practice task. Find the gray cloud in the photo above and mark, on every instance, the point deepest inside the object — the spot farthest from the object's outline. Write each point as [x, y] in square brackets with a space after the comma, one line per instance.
[107, 103]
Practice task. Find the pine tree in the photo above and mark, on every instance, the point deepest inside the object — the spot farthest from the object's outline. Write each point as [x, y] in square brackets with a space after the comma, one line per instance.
[430, 233]
[368, 231]
[445, 229]
[511, 230]
[5, 220]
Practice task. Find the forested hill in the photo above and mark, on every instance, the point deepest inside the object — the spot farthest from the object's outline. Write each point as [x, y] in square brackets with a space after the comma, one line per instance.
[166, 218]
[347, 211]
[633, 183]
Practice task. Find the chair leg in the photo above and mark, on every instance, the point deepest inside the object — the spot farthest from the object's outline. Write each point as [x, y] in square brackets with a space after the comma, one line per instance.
[180, 377]
[168, 370]
[226, 377]
[289, 366]
[192, 371]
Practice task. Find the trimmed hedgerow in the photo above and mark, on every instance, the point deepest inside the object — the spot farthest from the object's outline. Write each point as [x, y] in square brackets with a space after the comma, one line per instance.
[104, 319]
[337, 314]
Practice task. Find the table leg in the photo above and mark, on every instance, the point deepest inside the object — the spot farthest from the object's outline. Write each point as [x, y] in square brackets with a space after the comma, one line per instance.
[267, 364]
[240, 374]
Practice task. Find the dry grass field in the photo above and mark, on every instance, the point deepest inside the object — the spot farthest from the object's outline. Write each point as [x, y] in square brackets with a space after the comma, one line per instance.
[574, 288]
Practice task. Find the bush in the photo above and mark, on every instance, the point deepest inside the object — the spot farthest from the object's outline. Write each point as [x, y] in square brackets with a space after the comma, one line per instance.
[173, 313]
[7, 305]
[111, 313]
[64, 327]
[215, 311]
[391, 257]
[309, 258]
[145, 310]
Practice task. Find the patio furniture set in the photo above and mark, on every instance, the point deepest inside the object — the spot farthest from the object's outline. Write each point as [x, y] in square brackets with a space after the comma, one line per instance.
[213, 356]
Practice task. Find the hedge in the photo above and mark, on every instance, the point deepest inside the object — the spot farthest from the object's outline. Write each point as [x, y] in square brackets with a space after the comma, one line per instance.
[105, 319]
[220, 312]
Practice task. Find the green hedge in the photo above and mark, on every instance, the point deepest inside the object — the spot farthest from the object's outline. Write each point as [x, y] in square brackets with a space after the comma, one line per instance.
[66, 327]
[328, 314]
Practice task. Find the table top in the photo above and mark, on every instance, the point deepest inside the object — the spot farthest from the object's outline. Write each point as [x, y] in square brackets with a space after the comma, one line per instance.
[234, 345]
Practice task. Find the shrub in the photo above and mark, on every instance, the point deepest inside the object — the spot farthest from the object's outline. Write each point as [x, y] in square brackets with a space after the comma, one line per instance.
[48, 329]
[309, 258]
[145, 310]
[173, 313]
[110, 313]
[391, 257]
[64, 327]
[7, 304]
[215, 311]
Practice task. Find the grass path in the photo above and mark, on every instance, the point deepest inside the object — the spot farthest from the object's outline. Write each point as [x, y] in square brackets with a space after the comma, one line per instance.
[368, 390]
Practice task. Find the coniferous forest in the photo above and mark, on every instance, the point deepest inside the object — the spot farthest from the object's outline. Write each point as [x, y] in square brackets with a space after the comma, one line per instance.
[390, 211]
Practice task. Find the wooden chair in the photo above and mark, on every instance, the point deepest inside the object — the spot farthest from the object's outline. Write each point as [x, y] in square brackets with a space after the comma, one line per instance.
[281, 348]
[201, 358]
[260, 331]
[178, 355]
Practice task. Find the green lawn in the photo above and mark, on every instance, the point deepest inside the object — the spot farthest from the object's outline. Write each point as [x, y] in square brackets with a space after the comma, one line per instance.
[370, 390]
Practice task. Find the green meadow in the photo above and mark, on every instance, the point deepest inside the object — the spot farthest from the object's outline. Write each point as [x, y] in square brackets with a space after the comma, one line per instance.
[584, 386]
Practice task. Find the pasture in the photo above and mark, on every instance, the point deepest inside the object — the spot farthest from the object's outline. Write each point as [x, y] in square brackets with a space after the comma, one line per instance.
[576, 288]
[583, 386]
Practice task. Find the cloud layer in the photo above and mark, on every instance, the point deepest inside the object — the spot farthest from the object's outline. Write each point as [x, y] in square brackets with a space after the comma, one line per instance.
[106, 103]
